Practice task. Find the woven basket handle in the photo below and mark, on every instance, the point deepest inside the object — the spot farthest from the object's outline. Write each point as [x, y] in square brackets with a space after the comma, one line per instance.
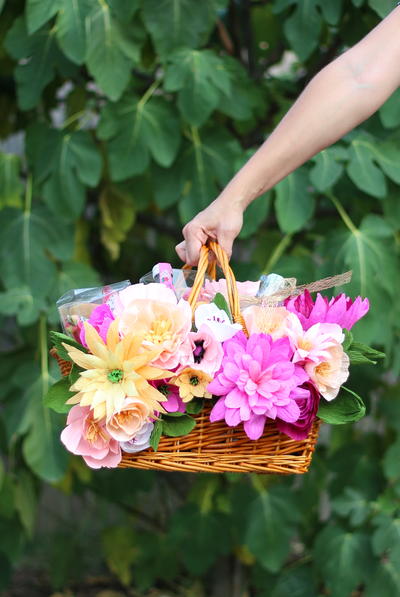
[232, 290]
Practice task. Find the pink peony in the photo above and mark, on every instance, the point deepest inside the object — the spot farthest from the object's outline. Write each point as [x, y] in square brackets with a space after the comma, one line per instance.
[307, 399]
[127, 422]
[90, 439]
[152, 310]
[202, 351]
[213, 287]
[256, 381]
[313, 344]
[340, 309]
[100, 318]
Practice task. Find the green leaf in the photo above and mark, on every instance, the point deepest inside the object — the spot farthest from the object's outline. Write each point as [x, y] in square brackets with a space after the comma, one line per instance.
[177, 426]
[200, 537]
[348, 340]
[10, 183]
[391, 461]
[269, 527]
[137, 129]
[362, 169]
[205, 164]
[167, 185]
[40, 57]
[178, 23]
[220, 301]
[385, 581]
[41, 446]
[302, 29]
[381, 7]
[341, 559]
[294, 203]
[199, 76]
[120, 547]
[70, 28]
[390, 111]
[77, 163]
[299, 582]
[386, 537]
[21, 302]
[347, 407]
[58, 339]
[117, 218]
[25, 263]
[353, 504]
[360, 353]
[156, 435]
[58, 395]
[326, 171]
[255, 215]
[38, 12]
[26, 501]
[195, 406]
[124, 9]
[111, 52]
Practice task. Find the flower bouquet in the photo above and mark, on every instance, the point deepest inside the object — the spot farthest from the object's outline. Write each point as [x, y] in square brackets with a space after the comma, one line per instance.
[226, 376]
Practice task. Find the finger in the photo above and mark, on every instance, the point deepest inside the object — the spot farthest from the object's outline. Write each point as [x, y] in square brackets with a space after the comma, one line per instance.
[181, 250]
[193, 246]
[225, 240]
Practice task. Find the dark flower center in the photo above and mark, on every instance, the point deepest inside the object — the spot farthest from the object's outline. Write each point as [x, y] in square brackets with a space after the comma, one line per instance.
[164, 389]
[115, 375]
[194, 380]
[199, 351]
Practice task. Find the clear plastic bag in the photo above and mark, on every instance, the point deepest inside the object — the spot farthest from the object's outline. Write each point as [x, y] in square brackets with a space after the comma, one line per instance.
[77, 305]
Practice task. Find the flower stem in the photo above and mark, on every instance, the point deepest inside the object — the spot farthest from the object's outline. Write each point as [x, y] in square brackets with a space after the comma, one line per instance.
[343, 214]
[278, 252]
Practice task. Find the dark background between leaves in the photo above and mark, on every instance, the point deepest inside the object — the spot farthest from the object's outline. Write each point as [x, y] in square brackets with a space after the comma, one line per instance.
[120, 119]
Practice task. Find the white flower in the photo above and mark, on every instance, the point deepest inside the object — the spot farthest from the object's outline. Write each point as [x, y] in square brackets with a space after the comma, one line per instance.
[217, 321]
[141, 441]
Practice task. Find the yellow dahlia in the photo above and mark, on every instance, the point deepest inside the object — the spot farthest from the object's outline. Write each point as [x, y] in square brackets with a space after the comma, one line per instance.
[115, 370]
[192, 383]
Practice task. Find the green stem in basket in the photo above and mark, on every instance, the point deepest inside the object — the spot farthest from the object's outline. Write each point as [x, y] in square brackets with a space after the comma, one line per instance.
[343, 213]
[277, 253]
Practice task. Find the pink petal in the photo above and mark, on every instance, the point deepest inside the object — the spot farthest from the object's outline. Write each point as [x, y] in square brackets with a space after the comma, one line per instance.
[254, 427]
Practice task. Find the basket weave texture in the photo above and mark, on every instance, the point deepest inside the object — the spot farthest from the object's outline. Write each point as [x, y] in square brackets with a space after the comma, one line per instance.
[215, 447]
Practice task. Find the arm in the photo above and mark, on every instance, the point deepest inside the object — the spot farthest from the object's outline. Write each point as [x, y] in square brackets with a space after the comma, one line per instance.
[338, 98]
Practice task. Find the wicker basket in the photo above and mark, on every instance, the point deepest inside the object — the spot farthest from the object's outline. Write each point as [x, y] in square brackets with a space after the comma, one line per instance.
[215, 447]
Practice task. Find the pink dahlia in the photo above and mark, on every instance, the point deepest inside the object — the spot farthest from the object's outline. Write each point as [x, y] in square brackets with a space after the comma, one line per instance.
[256, 382]
[340, 309]
[307, 398]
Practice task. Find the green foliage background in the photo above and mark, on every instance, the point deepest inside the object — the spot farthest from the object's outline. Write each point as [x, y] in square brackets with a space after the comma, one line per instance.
[120, 120]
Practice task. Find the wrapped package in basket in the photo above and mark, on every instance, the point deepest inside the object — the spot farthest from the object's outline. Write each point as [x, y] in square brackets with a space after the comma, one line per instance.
[186, 373]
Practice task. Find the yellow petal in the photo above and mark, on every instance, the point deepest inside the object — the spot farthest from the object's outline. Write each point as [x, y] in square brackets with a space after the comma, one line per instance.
[113, 335]
[149, 372]
[95, 343]
[87, 361]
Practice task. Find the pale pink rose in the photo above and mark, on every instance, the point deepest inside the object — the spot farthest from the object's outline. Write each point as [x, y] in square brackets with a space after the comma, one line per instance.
[90, 439]
[125, 424]
[213, 287]
[163, 322]
[217, 321]
[202, 351]
[330, 374]
[314, 343]
[267, 320]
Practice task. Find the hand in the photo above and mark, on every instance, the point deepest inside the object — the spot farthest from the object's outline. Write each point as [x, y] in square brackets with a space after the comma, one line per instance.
[219, 221]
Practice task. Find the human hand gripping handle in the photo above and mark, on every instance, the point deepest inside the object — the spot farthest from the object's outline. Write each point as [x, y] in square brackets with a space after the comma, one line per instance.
[341, 96]
[220, 221]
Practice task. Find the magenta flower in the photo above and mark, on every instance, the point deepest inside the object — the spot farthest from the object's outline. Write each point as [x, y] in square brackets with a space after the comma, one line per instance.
[307, 399]
[100, 318]
[256, 381]
[174, 402]
[90, 439]
[340, 309]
